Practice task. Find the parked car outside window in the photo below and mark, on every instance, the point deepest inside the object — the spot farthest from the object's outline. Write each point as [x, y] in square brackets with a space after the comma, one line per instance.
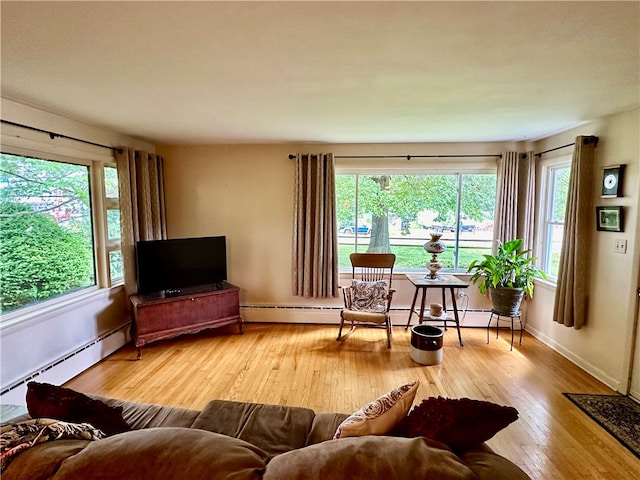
[350, 228]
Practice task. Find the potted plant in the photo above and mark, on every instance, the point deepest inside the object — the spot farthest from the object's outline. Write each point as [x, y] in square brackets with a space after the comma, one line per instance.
[508, 276]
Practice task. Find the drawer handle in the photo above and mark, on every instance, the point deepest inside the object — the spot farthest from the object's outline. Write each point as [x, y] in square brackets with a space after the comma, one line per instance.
[193, 299]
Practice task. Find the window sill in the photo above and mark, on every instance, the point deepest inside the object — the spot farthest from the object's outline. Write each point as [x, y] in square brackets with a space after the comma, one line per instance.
[33, 314]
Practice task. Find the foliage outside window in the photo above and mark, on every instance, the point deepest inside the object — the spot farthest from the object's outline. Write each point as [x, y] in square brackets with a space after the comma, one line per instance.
[555, 189]
[47, 244]
[397, 213]
[112, 207]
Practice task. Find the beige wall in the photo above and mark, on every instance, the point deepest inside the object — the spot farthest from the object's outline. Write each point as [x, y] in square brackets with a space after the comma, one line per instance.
[245, 192]
[603, 346]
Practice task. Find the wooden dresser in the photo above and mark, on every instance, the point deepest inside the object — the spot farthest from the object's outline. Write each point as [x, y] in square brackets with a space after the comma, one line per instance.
[157, 317]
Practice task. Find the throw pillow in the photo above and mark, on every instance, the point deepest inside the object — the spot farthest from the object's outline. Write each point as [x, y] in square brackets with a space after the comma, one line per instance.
[459, 423]
[381, 415]
[369, 296]
[49, 401]
[17, 437]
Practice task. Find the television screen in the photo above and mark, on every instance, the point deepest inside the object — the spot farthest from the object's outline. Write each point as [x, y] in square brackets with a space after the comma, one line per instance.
[180, 263]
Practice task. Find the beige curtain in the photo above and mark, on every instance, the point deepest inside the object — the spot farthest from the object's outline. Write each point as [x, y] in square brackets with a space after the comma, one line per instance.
[572, 291]
[142, 208]
[515, 199]
[315, 239]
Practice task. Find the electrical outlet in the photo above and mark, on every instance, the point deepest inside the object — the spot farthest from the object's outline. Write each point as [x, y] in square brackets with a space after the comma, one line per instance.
[461, 294]
[621, 246]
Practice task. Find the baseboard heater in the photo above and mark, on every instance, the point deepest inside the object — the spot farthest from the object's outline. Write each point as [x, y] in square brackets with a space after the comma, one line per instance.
[42, 371]
[338, 308]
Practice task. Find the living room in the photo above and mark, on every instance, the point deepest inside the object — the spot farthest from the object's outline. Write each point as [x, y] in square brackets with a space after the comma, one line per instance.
[243, 189]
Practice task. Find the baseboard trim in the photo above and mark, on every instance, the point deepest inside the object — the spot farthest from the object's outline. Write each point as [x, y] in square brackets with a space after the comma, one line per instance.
[576, 359]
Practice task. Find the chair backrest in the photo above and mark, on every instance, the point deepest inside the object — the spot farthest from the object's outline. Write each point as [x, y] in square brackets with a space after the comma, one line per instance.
[371, 267]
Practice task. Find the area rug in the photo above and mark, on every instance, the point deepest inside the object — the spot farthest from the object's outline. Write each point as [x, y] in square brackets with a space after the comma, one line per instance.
[617, 414]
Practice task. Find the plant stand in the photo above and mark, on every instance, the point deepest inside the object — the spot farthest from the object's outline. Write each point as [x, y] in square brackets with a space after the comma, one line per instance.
[517, 315]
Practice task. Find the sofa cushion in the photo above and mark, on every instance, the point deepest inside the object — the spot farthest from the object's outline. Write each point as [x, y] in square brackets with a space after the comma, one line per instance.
[41, 461]
[273, 428]
[18, 437]
[367, 458]
[459, 423]
[146, 415]
[50, 401]
[324, 427]
[381, 415]
[488, 465]
[166, 453]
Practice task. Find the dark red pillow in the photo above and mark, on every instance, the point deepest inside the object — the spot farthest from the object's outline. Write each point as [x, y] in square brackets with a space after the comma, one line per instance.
[49, 401]
[459, 423]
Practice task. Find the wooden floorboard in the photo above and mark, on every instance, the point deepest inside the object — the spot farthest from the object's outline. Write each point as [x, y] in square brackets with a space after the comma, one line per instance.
[303, 365]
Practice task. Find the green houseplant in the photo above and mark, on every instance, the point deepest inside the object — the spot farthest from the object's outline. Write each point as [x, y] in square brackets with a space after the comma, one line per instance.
[508, 276]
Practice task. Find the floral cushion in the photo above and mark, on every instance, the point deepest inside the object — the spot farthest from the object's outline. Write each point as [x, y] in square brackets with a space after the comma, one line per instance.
[17, 437]
[369, 296]
[381, 415]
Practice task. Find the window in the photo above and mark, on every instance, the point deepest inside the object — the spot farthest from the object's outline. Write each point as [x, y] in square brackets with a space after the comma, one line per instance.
[396, 213]
[555, 185]
[112, 207]
[47, 229]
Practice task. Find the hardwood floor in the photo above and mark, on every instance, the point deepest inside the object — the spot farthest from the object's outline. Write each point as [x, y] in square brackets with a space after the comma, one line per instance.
[303, 365]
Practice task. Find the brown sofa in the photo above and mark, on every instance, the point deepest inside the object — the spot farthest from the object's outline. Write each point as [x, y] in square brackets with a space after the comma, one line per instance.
[238, 441]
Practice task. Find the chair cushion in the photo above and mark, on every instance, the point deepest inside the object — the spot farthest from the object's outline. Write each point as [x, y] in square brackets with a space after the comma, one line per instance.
[381, 415]
[369, 296]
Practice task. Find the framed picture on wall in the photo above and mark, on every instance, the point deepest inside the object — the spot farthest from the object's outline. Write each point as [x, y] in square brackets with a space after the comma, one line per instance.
[612, 177]
[610, 219]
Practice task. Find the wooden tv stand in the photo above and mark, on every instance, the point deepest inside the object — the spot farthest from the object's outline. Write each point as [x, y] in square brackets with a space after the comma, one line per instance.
[157, 317]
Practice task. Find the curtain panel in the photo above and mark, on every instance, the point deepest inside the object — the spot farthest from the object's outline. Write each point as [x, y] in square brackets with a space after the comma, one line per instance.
[515, 199]
[315, 239]
[142, 207]
[572, 290]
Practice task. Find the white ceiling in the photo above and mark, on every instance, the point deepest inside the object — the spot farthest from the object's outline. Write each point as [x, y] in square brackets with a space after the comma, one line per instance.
[234, 72]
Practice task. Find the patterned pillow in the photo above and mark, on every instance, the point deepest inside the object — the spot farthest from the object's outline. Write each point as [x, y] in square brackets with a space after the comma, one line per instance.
[17, 437]
[381, 415]
[369, 296]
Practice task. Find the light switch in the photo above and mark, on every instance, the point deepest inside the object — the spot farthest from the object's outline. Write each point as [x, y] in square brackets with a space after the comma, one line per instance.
[621, 246]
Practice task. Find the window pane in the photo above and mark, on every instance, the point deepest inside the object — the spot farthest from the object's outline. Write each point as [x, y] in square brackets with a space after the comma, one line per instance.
[111, 182]
[397, 213]
[46, 240]
[116, 269]
[113, 224]
[554, 245]
[560, 189]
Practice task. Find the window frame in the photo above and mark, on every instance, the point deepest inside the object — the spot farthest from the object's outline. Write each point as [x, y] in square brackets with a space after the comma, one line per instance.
[428, 166]
[545, 211]
[95, 163]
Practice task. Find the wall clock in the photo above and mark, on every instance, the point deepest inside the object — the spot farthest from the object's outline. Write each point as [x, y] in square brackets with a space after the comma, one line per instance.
[612, 177]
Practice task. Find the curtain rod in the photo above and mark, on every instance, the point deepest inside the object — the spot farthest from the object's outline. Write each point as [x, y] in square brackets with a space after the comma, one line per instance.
[54, 135]
[587, 141]
[408, 157]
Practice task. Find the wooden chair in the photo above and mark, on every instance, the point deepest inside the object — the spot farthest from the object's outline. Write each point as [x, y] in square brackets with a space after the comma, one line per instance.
[368, 299]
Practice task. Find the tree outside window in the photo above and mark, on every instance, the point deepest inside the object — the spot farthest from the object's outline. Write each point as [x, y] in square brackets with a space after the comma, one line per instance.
[397, 213]
[46, 232]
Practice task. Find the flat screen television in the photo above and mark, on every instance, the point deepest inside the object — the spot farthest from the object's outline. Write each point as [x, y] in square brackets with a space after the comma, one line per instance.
[172, 265]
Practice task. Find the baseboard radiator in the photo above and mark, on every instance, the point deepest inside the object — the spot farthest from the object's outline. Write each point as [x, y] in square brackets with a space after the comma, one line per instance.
[65, 368]
[312, 314]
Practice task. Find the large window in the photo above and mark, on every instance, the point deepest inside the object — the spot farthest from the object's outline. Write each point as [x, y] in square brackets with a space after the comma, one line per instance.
[48, 232]
[396, 213]
[555, 185]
